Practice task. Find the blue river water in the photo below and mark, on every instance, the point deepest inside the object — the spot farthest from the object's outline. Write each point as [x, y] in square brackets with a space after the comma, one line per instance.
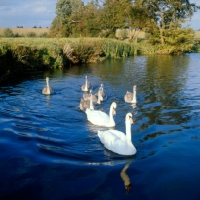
[49, 150]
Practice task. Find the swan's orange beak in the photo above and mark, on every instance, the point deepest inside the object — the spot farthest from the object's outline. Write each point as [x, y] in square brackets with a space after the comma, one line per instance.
[114, 111]
[131, 120]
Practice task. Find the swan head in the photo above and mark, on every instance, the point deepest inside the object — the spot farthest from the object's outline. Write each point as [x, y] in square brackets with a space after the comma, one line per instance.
[114, 106]
[128, 188]
[134, 87]
[47, 79]
[129, 118]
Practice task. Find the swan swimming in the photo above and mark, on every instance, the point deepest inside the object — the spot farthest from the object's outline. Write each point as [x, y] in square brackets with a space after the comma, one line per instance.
[100, 118]
[103, 94]
[117, 141]
[86, 104]
[86, 86]
[47, 89]
[130, 97]
[96, 99]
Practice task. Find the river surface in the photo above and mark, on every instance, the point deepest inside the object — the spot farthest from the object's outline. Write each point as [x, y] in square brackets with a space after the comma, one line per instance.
[49, 150]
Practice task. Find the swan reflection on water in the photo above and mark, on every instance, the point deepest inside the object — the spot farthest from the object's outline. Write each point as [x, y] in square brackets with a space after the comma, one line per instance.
[134, 105]
[48, 100]
[117, 159]
[126, 179]
[95, 128]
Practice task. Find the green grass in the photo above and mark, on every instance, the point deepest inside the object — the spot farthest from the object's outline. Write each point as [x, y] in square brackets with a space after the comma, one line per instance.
[22, 54]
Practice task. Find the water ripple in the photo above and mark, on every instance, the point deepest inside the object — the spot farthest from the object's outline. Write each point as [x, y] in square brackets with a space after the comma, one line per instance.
[53, 128]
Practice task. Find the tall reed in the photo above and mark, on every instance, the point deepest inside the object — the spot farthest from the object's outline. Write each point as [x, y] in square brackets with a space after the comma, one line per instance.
[118, 49]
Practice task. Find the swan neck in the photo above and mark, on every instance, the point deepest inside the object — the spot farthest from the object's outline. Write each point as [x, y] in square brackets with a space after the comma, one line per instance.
[86, 84]
[48, 87]
[91, 102]
[128, 130]
[99, 98]
[111, 116]
[124, 176]
[134, 94]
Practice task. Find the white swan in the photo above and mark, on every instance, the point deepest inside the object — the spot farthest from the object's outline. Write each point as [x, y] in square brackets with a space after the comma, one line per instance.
[47, 89]
[130, 97]
[100, 118]
[86, 104]
[86, 86]
[96, 99]
[117, 141]
[103, 94]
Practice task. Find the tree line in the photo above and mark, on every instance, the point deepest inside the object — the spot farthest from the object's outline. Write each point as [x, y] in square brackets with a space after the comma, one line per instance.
[163, 21]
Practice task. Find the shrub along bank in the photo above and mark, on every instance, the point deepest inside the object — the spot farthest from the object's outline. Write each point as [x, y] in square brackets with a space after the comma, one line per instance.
[22, 55]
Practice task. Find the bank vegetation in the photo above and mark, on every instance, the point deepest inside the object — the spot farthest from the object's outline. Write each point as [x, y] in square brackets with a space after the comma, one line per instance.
[98, 30]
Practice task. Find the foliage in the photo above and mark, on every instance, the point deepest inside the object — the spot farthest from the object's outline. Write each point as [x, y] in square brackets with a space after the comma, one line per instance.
[8, 33]
[84, 51]
[5, 57]
[31, 34]
[115, 14]
[21, 55]
[176, 40]
[61, 25]
[166, 15]
[118, 49]
[24, 54]
[44, 34]
[160, 19]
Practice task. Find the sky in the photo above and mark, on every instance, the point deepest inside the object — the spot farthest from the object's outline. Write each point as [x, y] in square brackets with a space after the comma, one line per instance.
[40, 13]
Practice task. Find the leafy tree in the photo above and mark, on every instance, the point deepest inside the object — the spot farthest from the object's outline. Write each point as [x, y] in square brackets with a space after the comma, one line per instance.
[166, 15]
[139, 19]
[116, 14]
[61, 25]
[86, 20]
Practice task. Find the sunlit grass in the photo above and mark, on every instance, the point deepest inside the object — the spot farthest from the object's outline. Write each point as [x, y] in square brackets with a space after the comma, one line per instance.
[20, 54]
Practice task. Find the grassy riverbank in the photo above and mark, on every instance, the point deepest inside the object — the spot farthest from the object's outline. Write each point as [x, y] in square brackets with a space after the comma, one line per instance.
[21, 55]
[25, 54]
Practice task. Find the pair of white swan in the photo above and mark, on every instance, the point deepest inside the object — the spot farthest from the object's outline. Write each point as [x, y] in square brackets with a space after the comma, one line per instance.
[47, 89]
[117, 141]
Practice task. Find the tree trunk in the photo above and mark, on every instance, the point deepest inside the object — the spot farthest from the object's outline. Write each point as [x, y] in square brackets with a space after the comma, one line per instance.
[162, 41]
[162, 28]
